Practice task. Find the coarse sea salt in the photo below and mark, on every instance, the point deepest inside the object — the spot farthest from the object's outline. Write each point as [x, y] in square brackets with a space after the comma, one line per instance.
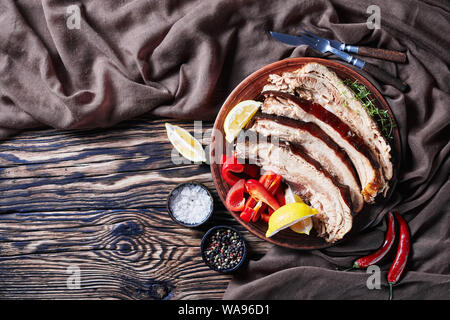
[190, 204]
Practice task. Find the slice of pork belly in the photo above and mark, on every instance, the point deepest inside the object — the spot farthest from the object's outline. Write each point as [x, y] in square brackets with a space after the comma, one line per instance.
[317, 144]
[287, 105]
[317, 83]
[331, 199]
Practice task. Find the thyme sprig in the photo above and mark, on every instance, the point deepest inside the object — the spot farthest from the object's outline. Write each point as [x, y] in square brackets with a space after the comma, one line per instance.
[381, 116]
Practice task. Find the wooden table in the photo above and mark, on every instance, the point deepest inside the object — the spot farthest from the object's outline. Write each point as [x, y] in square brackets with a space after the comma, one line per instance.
[93, 203]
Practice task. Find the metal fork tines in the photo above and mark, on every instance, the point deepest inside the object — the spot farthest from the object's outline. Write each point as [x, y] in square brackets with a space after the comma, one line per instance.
[323, 45]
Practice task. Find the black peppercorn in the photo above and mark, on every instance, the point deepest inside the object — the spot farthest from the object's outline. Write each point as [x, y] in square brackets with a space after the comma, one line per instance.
[223, 250]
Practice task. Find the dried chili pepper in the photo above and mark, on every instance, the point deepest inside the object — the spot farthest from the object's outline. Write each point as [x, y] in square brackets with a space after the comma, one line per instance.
[389, 240]
[401, 257]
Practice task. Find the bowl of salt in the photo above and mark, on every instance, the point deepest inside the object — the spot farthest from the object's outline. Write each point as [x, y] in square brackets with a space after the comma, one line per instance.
[190, 204]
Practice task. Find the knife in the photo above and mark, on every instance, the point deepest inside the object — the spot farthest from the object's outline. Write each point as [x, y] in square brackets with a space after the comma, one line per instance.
[390, 55]
[323, 45]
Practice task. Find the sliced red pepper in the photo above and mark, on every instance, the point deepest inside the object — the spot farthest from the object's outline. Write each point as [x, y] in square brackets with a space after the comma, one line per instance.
[257, 211]
[268, 175]
[231, 165]
[251, 170]
[229, 178]
[249, 212]
[280, 197]
[274, 185]
[270, 181]
[235, 197]
[265, 217]
[257, 191]
[246, 215]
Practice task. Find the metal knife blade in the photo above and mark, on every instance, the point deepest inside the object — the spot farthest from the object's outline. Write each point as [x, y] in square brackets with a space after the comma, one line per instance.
[288, 39]
[383, 54]
[334, 43]
[322, 46]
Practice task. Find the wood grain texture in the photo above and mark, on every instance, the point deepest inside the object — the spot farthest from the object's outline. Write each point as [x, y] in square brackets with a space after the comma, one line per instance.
[384, 54]
[96, 200]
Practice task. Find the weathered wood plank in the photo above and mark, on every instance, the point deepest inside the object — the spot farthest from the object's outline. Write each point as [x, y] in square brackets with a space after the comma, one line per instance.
[121, 254]
[96, 199]
[40, 232]
[130, 189]
[108, 276]
[83, 171]
[142, 147]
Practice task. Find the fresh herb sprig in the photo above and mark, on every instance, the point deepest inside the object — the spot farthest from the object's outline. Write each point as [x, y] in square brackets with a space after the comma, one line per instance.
[382, 116]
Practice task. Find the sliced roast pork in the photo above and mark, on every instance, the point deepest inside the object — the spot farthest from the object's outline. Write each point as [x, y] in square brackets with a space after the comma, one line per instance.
[287, 105]
[317, 83]
[317, 144]
[316, 185]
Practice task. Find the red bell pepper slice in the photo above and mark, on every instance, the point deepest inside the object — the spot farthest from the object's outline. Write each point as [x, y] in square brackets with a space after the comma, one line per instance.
[254, 207]
[280, 197]
[249, 212]
[235, 197]
[271, 183]
[257, 191]
[265, 217]
[231, 165]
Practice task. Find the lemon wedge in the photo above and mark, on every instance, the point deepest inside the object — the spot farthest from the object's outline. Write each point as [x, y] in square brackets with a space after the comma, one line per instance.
[238, 117]
[291, 197]
[303, 226]
[185, 143]
[287, 216]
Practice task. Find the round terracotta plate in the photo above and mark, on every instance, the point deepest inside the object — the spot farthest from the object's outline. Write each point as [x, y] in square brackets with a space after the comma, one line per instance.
[249, 89]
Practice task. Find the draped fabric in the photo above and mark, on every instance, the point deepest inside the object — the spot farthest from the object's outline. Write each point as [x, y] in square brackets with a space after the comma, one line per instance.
[181, 59]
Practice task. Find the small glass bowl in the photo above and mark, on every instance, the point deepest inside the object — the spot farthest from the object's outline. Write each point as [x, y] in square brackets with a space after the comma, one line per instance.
[205, 241]
[188, 225]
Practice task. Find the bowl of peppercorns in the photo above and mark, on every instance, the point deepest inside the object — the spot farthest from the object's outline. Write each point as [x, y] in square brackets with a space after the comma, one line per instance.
[223, 249]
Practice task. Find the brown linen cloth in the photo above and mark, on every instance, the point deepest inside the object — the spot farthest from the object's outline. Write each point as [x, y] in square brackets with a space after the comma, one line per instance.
[182, 58]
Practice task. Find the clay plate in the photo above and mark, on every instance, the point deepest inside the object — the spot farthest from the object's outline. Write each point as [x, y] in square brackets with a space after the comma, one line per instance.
[249, 88]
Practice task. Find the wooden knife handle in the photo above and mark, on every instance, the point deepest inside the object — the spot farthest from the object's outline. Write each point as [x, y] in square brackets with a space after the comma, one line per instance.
[385, 77]
[384, 54]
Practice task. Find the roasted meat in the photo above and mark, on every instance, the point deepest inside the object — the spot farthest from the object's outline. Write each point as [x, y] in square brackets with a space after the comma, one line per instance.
[317, 144]
[310, 180]
[321, 85]
[287, 105]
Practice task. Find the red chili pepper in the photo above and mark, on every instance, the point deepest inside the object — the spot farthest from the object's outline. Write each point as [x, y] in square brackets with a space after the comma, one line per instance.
[389, 239]
[257, 191]
[235, 197]
[401, 257]
[231, 165]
